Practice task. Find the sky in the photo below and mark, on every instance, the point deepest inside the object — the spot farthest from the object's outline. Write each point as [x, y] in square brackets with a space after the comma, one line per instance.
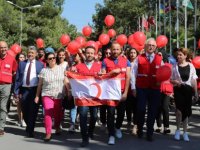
[79, 12]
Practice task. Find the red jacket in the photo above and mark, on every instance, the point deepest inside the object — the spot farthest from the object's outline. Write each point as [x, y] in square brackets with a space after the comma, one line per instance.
[122, 64]
[146, 77]
[8, 66]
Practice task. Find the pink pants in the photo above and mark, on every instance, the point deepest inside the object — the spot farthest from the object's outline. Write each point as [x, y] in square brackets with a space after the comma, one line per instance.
[52, 109]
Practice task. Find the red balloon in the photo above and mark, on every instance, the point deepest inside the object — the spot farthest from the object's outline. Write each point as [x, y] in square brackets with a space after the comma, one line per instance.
[11, 53]
[161, 41]
[122, 39]
[99, 44]
[139, 38]
[87, 30]
[196, 62]
[81, 40]
[104, 39]
[136, 46]
[111, 33]
[199, 43]
[109, 20]
[65, 39]
[73, 47]
[40, 43]
[16, 48]
[93, 44]
[130, 39]
[163, 73]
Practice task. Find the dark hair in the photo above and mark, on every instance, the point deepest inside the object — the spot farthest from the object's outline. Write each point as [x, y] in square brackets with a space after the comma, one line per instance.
[18, 55]
[58, 52]
[47, 55]
[90, 47]
[129, 51]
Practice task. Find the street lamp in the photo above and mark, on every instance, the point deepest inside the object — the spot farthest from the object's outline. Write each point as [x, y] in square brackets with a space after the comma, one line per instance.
[22, 8]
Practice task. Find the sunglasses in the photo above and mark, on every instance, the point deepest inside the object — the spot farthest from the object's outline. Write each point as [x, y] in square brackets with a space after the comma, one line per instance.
[51, 58]
[108, 53]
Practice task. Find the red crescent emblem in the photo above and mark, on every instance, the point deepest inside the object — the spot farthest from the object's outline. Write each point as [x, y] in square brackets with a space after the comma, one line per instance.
[98, 89]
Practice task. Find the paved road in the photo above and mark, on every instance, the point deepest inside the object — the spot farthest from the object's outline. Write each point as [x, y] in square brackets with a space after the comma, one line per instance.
[15, 138]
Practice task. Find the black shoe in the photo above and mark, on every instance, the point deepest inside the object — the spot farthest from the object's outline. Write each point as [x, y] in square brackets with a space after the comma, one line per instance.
[30, 134]
[158, 130]
[47, 139]
[140, 134]
[166, 131]
[91, 136]
[84, 143]
[149, 138]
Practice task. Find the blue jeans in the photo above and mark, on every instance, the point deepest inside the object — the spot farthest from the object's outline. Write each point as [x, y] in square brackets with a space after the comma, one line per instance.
[151, 98]
[85, 131]
[73, 113]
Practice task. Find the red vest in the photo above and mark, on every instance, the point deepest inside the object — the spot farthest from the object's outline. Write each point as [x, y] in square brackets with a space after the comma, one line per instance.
[146, 77]
[198, 83]
[8, 65]
[83, 69]
[122, 64]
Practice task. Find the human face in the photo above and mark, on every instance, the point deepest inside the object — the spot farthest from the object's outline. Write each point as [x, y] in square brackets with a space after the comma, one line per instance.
[61, 56]
[31, 54]
[21, 57]
[181, 57]
[3, 48]
[115, 50]
[41, 53]
[51, 60]
[99, 55]
[107, 52]
[90, 54]
[151, 46]
[133, 54]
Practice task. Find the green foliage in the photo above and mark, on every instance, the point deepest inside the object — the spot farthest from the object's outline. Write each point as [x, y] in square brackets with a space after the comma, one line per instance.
[44, 22]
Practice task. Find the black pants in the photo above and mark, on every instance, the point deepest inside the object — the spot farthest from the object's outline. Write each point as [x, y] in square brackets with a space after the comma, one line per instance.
[111, 120]
[163, 110]
[121, 108]
[29, 107]
[131, 105]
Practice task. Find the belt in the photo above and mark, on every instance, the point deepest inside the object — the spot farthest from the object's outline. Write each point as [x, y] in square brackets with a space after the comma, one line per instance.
[30, 87]
[2, 83]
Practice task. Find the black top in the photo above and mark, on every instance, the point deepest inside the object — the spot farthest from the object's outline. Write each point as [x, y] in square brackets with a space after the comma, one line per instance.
[184, 72]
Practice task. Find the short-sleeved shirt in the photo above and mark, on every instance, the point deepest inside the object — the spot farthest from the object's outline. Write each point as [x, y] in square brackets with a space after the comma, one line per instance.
[53, 82]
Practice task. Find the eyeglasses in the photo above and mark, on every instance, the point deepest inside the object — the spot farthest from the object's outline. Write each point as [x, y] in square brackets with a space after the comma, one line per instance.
[108, 53]
[51, 58]
[151, 45]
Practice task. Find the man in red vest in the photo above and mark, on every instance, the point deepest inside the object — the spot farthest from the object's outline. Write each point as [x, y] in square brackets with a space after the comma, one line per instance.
[147, 88]
[89, 67]
[8, 67]
[114, 65]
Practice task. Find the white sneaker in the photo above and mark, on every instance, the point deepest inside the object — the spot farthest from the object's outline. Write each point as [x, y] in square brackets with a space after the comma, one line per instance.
[177, 135]
[111, 140]
[71, 128]
[118, 133]
[23, 124]
[185, 137]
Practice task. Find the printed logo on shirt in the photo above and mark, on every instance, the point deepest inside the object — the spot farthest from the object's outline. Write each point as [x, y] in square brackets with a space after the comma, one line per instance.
[157, 66]
[7, 66]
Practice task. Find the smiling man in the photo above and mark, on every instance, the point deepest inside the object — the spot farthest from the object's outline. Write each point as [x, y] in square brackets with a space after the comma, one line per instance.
[8, 66]
[25, 88]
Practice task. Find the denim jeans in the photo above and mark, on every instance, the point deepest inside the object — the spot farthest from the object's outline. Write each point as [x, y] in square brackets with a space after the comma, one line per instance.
[73, 113]
[85, 131]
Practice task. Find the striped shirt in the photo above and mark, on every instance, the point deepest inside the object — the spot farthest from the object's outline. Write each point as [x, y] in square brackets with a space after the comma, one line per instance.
[53, 82]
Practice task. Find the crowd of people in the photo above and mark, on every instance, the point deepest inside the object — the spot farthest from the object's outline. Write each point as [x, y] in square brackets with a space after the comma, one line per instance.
[39, 78]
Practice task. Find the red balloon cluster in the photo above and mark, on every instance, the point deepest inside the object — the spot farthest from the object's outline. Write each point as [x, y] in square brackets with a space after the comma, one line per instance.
[137, 40]
[163, 73]
[73, 47]
[109, 20]
[65, 39]
[16, 48]
[104, 39]
[161, 41]
[196, 62]
[122, 39]
[11, 53]
[111, 33]
[87, 30]
[93, 44]
[99, 44]
[40, 43]
[81, 40]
